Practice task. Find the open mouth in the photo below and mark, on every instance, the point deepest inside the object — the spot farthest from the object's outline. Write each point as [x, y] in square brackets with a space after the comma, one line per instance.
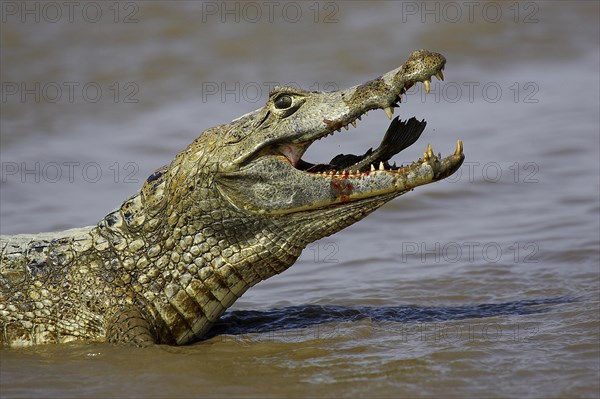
[273, 178]
[399, 136]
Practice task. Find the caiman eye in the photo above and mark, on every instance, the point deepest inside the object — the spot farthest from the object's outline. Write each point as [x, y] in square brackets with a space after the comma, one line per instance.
[283, 102]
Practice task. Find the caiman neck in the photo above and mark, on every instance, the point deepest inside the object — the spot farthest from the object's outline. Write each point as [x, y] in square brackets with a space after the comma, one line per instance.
[165, 229]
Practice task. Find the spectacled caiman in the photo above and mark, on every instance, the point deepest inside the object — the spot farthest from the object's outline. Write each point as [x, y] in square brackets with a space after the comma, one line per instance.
[236, 207]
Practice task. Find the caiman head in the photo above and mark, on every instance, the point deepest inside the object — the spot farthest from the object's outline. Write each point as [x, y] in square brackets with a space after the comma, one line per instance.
[239, 204]
[254, 164]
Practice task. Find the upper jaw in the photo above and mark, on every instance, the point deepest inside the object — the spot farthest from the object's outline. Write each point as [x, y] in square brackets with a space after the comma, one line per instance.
[385, 92]
[325, 113]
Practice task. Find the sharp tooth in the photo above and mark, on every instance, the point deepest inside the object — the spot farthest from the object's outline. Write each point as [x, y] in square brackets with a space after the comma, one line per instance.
[389, 112]
[357, 172]
[346, 127]
[429, 150]
[459, 148]
[353, 123]
[427, 83]
[439, 75]
[381, 167]
[366, 112]
[359, 118]
[372, 168]
[395, 167]
[338, 129]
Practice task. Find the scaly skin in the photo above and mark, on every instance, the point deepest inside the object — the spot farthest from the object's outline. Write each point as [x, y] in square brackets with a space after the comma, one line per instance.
[236, 207]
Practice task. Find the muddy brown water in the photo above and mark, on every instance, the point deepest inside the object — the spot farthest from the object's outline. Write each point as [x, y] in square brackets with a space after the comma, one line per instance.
[484, 285]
